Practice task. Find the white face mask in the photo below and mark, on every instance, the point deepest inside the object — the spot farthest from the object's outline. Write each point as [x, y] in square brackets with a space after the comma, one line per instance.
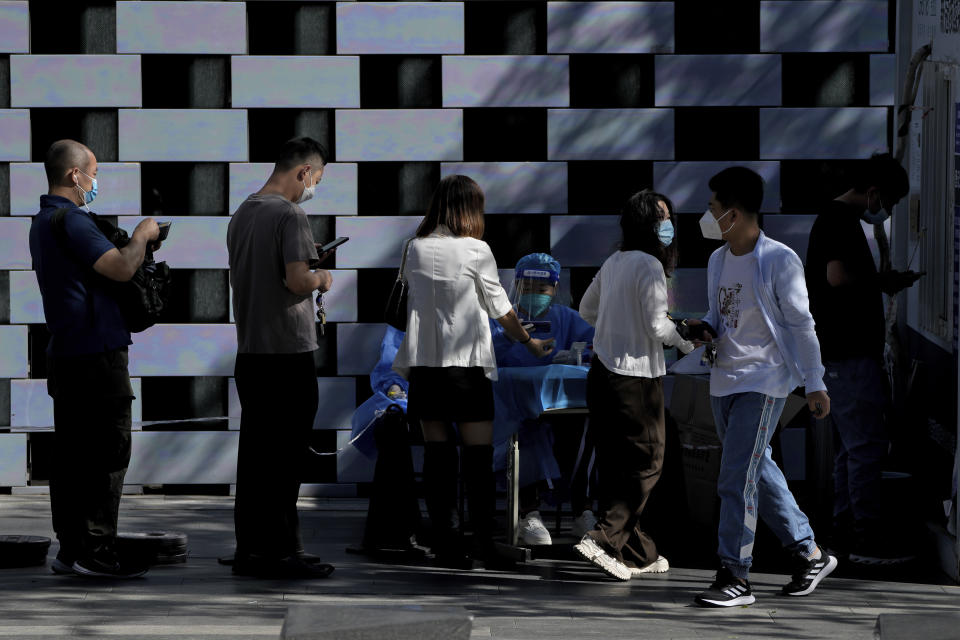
[307, 191]
[710, 226]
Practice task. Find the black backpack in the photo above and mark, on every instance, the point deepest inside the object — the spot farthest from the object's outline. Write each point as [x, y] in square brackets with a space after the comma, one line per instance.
[143, 299]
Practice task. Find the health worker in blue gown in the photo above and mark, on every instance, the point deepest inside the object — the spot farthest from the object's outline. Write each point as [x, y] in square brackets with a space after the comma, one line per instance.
[540, 302]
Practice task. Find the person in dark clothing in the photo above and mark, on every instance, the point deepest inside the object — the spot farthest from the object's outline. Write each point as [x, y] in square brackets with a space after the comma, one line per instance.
[87, 375]
[271, 246]
[846, 302]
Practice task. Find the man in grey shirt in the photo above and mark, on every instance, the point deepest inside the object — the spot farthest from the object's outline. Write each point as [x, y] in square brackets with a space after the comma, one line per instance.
[271, 248]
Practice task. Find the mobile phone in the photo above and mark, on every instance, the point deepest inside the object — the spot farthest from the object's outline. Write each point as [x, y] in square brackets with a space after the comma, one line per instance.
[164, 230]
[332, 245]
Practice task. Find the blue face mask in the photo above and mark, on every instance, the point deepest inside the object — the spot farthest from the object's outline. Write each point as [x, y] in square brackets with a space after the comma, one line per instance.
[536, 303]
[88, 196]
[665, 232]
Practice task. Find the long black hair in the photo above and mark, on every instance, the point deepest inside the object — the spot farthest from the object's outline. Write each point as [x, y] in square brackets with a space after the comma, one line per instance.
[639, 221]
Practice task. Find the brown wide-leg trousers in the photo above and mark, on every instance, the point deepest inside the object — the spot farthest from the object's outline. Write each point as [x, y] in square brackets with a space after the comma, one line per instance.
[627, 424]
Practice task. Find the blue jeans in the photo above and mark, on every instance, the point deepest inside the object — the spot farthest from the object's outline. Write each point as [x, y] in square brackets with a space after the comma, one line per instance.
[751, 482]
[857, 400]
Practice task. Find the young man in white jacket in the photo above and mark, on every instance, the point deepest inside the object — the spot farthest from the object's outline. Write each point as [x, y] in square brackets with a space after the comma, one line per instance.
[766, 347]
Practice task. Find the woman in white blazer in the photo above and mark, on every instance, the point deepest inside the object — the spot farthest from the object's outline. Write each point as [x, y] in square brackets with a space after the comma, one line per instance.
[627, 303]
[447, 355]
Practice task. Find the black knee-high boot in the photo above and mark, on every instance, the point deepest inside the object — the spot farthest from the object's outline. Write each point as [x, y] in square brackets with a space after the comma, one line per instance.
[440, 470]
[481, 497]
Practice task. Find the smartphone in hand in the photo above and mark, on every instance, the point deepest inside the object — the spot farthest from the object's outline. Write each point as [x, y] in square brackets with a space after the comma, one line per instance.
[164, 230]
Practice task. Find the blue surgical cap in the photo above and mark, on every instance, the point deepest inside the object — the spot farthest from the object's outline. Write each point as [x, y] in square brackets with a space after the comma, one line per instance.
[538, 266]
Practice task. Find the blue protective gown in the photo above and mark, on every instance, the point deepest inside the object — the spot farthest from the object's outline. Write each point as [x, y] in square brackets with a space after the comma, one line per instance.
[536, 440]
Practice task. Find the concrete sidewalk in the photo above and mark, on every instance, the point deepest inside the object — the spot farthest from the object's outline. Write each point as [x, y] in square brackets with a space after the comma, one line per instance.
[545, 599]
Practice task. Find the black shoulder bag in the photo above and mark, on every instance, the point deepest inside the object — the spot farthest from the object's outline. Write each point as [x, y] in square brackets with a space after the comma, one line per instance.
[396, 313]
[143, 299]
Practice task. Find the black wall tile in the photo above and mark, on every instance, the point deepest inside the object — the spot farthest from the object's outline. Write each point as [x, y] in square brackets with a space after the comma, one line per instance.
[602, 187]
[598, 81]
[717, 133]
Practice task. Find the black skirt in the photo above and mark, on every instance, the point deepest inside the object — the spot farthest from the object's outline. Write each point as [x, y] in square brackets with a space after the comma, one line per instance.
[450, 394]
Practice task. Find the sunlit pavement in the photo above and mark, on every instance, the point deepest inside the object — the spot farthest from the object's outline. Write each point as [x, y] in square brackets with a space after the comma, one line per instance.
[543, 599]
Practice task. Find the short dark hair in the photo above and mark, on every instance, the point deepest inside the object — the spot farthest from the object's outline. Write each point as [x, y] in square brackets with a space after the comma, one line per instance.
[297, 151]
[883, 172]
[457, 203]
[639, 222]
[738, 187]
[62, 156]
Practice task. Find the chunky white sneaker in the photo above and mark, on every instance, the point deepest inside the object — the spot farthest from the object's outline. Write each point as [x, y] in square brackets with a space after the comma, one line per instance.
[532, 530]
[585, 522]
[660, 565]
[592, 552]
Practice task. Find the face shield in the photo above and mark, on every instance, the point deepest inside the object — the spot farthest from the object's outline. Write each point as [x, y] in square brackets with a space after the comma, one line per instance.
[534, 291]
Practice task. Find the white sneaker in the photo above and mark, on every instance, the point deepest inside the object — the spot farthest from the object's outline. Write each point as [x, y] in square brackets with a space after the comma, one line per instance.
[660, 565]
[585, 522]
[532, 530]
[592, 552]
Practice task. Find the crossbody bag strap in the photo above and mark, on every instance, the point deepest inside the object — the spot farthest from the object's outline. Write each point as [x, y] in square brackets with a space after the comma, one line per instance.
[403, 260]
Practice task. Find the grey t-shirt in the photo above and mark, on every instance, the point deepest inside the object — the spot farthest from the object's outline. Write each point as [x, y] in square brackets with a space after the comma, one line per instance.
[265, 234]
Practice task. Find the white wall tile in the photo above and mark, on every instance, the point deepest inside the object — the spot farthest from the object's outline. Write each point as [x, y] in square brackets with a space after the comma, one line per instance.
[75, 81]
[517, 187]
[13, 458]
[341, 301]
[311, 82]
[824, 25]
[13, 351]
[734, 80]
[118, 183]
[610, 134]
[26, 305]
[187, 135]
[14, 27]
[358, 347]
[405, 135]
[32, 407]
[184, 350]
[822, 133]
[610, 27]
[686, 183]
[883, 79]
[400, 27]
[194, 242]
[506, 81]
[14, 135]
[181, 27]
[336, 193]
[15, 243]
[183, 457]
[338, 401]
[376, 242]
[583, 241]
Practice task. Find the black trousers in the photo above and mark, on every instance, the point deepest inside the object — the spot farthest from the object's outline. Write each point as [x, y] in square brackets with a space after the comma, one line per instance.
[627, 423]
[91, 414]
[279, 399]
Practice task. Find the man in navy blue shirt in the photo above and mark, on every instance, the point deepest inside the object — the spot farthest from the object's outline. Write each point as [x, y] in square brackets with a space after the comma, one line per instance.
[87, 362]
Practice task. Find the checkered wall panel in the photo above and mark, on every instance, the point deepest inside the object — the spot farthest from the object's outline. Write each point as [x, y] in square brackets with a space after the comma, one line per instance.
[560, 110]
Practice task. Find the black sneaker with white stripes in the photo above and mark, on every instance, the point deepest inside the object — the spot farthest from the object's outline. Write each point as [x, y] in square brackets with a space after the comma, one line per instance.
[809, 572]
[726, 591]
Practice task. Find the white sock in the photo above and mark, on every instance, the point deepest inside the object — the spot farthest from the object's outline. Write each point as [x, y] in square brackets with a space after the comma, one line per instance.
[815, 555]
